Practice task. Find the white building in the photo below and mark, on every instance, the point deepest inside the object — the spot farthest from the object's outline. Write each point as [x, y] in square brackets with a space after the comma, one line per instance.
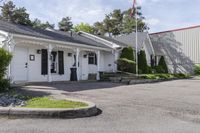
[180, 47]
[49, 55]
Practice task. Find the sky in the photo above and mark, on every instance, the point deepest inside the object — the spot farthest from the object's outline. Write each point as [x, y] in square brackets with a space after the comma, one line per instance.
[160, 15]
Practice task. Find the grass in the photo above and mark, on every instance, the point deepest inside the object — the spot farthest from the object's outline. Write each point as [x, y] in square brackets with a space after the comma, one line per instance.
[47, 102]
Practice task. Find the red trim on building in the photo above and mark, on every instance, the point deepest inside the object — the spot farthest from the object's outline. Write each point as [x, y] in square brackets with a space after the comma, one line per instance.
[187, 28]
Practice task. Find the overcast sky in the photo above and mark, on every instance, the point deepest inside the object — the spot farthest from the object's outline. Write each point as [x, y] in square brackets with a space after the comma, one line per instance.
[160, 14]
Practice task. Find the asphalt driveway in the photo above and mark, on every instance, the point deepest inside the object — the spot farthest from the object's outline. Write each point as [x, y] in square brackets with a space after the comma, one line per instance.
[167, 107]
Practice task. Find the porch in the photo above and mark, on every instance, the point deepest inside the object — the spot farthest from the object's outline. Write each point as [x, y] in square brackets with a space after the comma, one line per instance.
[39, 60]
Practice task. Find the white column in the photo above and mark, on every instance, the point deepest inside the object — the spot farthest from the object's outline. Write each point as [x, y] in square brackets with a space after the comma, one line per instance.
[98, 64]
[115, 61]
[49, 63]
[77, 62]
[10, 49]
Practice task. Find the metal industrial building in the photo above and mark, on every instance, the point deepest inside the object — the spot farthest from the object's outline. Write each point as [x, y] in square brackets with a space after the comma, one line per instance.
[180, 47]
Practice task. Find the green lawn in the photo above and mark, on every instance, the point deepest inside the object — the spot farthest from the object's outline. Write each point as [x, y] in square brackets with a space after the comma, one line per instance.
[46, 102]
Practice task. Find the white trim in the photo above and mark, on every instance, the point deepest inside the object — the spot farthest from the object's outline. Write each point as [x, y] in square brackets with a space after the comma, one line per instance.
[60, 42]
[104, 41]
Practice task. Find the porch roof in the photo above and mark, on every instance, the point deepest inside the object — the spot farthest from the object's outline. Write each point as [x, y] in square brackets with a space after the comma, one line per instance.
[48, 34]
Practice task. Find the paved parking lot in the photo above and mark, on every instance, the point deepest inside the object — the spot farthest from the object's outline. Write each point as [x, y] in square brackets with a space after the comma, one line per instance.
[167, 107]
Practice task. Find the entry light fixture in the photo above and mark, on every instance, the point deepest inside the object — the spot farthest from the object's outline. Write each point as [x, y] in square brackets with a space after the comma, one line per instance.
[39, 51]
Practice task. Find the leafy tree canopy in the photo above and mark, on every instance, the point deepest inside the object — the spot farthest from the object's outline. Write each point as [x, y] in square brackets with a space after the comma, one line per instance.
[65, 24]
[118, 22]
[19, 15]
[84, 27]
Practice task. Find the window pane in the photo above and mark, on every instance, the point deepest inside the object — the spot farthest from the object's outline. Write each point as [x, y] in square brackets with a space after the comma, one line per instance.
[53, 62]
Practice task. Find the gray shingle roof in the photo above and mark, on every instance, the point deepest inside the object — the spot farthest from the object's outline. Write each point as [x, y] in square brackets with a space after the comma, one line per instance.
[46, 34]
[113, 40]
[130, 39]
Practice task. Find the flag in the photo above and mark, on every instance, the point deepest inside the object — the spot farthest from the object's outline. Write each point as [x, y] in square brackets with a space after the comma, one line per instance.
[133, 10]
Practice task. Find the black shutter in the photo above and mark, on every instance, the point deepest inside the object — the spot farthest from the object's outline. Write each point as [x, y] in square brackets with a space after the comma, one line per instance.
[44, 62]
[61, 62]
[95, 59]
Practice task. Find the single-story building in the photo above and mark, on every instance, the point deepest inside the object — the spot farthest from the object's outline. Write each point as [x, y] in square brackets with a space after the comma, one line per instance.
[180, 47]
[50, 55]
[144, 43]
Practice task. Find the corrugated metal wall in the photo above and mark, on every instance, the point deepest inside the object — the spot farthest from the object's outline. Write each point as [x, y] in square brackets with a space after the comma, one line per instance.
[190, 43]
[181, 48]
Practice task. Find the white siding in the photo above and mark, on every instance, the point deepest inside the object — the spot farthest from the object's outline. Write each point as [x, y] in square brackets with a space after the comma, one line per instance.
[34, 67]
[109, 60]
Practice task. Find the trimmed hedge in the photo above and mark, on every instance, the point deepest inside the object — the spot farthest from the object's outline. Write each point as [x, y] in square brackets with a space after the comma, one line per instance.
[126, 65]
[127, 53]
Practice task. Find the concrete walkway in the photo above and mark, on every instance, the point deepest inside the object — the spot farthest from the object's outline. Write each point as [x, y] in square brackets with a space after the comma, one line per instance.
[167, 107]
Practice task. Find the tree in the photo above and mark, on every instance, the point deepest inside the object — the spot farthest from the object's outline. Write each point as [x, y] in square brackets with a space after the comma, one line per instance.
[142, 62]
[7, 11]
[129, 23]
[118, 22]
[162, 65]
[38, 24]
[99, 28]
[84, 27]
[10, 13]
[65, 24]
[20, 16]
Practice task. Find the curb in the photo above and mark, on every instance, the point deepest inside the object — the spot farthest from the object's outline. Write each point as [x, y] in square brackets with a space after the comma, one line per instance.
[88, 111]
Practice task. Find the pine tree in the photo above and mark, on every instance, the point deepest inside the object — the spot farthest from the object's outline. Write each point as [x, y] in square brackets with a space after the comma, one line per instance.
[142, 62]
[162, 64]
[65, 24]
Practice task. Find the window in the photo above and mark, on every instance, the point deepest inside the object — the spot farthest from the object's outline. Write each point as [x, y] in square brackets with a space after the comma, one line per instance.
[54, 61]
[92, 59]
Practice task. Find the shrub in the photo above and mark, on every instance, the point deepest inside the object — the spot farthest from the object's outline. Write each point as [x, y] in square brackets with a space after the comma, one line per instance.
[159, 69]
[4, 85]
[126, 65]
[197, 70]
[5, 58]
[162, 66]
[127, 53]
[142, 62]
[181, 75]
[150, 76]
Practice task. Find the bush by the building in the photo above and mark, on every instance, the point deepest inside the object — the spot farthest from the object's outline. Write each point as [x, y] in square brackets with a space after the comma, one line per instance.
[197, 70]
[162, 66]
[5, 58]
[142, 63]
[126, 65]
[127, 53]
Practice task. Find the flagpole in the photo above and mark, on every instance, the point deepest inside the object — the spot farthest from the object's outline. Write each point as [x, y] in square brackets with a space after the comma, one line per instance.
[136, 40]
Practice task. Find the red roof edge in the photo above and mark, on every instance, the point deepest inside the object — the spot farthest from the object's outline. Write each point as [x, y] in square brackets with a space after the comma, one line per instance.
[187, 28]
